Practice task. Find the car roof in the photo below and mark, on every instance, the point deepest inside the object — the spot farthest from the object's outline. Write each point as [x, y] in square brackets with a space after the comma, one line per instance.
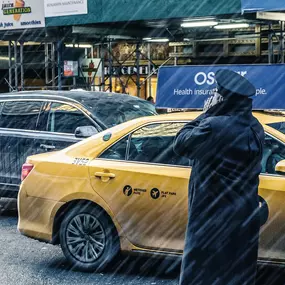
[83, 97]
[265, 117]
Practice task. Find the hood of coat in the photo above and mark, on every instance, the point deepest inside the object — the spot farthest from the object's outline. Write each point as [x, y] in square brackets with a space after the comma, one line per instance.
[232, 105]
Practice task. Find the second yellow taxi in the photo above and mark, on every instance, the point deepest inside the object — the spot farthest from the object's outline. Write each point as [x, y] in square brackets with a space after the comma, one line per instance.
[126, 190]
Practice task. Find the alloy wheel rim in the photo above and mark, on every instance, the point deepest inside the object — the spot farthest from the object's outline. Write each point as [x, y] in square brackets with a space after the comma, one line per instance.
[85, 238]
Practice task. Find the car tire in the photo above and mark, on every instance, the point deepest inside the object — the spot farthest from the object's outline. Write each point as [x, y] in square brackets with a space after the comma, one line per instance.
[88, 238]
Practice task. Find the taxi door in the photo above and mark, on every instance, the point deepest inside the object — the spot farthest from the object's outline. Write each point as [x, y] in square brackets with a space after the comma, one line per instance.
[272, 191]
[272, 233]
[147, 188]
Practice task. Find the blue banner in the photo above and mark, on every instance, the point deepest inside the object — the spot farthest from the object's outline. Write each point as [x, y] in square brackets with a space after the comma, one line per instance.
[262, 5]
[190, 86]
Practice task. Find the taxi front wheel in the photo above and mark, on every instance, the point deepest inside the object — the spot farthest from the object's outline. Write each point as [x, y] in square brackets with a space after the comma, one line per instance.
[88, 238]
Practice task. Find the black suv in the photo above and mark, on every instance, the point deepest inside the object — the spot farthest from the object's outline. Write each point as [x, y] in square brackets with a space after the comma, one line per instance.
[40, 121]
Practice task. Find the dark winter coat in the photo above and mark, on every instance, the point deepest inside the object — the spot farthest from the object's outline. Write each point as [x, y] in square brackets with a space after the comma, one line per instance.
[223, 227]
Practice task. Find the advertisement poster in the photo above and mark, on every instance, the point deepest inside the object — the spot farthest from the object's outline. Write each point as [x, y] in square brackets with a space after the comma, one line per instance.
[55, 8]
[70, 68]
[190, 86]
[91, 67]
[21, 14]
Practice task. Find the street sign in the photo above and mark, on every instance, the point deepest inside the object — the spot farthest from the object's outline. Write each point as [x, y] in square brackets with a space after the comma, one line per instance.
[189, 86]
[70, 68]
[273, 16]
[91, 67]
[262, 5]
[19, 14]
[55, 8]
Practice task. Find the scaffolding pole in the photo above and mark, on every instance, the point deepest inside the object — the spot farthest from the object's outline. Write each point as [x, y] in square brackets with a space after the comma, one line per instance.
[149, 69]
[282, 41]
[10, 66]
[53, 64]
[22, 64]
[46, 62]
[110, 67]
[59, 64]
[16, 64]
[270, 45]
[138, 69]
[102, 67]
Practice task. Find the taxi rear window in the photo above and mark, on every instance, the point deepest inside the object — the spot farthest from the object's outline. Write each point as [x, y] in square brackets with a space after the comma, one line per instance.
[279, 126]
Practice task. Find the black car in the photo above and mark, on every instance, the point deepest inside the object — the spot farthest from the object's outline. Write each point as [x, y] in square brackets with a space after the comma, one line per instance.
[40, 121]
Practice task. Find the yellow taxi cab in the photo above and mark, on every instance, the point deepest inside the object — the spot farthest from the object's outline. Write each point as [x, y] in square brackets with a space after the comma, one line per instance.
[126, 190]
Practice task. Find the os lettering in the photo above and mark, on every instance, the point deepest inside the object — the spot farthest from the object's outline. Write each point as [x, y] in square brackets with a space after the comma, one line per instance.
[209, 78]
[202, 78]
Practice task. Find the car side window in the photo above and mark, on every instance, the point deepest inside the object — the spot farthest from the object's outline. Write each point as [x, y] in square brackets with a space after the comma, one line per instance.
[20, 114]
[154, 144]
[117, 151]
[273, 152]
[64, 118]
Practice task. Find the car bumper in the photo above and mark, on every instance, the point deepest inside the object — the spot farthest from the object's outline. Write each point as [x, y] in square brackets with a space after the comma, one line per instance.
[36, 216]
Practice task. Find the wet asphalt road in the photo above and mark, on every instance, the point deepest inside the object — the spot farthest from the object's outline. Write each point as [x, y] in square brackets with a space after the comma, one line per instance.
[24, 261]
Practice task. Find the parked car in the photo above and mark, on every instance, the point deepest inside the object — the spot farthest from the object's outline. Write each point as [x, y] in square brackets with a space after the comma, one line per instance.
[125, 189]
[41, 121]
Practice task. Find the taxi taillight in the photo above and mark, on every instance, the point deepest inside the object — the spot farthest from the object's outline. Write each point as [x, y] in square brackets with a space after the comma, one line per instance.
[26, 169]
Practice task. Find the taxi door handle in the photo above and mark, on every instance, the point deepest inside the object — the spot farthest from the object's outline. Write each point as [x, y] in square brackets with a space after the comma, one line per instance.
[105, 174]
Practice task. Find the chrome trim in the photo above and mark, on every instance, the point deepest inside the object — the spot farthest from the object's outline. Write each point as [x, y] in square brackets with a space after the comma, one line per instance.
[148, 163]
[172, 254]
[273, 175]
[38, 135]
[7, 184]
[37, 96]
[271, 261]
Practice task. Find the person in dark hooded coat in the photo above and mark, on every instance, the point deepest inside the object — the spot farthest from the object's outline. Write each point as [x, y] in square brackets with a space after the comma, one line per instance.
[225, 144]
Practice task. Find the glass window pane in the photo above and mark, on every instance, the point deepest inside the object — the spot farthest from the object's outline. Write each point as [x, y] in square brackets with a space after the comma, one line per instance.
[154, 144]
[20, 115]
[280, 126]
[117, 151]
[64, 118]
[273, 152]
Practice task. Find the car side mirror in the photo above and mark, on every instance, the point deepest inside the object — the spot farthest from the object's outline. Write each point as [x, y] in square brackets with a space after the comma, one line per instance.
[85, 132]
[280, 167]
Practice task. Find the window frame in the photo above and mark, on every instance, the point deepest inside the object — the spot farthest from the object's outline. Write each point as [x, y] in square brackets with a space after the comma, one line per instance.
[51, 102]
[128, 146]
[48, 102]
[45, 102]
[283, 143]
[168, 165]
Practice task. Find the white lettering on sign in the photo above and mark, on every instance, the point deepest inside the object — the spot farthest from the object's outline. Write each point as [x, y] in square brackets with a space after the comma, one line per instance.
[188, 91]
[202, 78]
[261, 91]
[209, 78]
[183, 92]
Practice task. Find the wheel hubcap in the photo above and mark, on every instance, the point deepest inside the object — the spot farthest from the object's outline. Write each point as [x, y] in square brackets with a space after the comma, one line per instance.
[85, 238]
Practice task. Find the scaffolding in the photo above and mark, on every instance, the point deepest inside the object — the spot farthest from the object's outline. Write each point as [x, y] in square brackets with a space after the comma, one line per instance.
[111, 67]
[110, 70]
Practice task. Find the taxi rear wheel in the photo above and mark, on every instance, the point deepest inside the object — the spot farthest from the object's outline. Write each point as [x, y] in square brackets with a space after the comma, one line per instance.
[88, 238]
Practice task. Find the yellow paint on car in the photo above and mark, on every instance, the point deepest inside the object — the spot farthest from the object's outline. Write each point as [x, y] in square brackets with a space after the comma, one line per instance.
[127, 191]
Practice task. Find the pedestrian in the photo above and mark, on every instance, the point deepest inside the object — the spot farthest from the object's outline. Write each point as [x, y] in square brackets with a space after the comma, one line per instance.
[150, 99]
[225, 144]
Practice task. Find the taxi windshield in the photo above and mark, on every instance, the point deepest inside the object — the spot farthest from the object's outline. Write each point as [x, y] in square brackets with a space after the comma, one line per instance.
[279, 126]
